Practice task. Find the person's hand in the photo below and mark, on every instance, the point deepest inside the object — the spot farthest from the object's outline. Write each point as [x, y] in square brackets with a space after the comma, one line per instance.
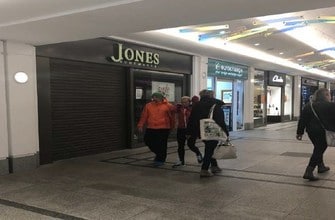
[299, 137]
[140, 129]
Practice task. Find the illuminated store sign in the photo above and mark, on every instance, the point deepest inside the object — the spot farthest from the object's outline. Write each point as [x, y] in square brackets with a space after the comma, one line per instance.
[310, 82]
[276, 79]
[228, 70]
[127, 55]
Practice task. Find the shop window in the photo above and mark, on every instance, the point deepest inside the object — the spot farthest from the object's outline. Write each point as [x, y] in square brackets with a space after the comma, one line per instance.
[274, 100]
[259, 98]
[288, 98]
[148, 82]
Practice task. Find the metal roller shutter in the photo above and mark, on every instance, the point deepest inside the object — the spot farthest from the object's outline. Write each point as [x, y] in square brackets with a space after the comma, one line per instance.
[88, 103]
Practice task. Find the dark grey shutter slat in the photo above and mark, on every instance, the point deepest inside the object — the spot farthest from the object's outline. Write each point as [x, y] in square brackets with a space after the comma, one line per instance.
[88, 108]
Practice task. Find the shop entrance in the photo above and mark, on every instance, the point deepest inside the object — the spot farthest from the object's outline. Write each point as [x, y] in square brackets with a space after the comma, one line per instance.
[231, 93]
[306, 92]
[274, 103]
[145, 83]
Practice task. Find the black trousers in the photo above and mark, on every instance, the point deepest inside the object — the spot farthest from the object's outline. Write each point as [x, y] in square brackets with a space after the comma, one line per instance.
[209, 150]
[181, 139]
[156, 140]
[320, 145]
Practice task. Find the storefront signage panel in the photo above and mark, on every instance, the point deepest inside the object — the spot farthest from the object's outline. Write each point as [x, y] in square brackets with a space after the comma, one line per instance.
[133, 55]
[309, 82]
[220, 68]
[121, 53]
[276, 79]
[127, 55]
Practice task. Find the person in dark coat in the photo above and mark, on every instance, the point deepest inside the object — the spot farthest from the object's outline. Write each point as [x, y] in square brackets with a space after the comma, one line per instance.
[201, 110]
[316, 133]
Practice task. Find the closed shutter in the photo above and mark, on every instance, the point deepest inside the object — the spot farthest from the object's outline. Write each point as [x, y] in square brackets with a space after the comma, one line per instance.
[88, 103]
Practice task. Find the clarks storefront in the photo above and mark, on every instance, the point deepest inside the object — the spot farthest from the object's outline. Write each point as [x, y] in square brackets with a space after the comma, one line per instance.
[91, 93]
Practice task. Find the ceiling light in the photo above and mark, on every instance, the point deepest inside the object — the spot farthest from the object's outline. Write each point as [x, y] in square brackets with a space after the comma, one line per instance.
[225, 45]
[21, 77]
[281, 53]
[257, 44]
[299, 59]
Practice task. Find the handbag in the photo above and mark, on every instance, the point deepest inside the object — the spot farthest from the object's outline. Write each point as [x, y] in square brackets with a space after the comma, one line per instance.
[330, 135]
[210, 130]
[225, 150]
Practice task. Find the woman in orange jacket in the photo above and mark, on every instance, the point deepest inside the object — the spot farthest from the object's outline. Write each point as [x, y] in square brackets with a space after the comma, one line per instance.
[158, 118]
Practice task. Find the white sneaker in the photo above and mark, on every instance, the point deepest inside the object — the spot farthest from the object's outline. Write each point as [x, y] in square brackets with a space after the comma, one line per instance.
[199, 158]
[178, 164]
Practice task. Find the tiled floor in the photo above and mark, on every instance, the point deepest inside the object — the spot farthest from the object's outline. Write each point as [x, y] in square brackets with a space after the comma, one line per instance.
[264, 182]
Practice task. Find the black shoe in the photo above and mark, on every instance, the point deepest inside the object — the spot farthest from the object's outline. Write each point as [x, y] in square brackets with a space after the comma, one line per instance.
[322, 168]
[216, 169]
[158, 164]
[206, 173]
[309, 174]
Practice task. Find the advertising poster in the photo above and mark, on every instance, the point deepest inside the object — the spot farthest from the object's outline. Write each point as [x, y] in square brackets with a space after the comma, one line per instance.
[168, 89]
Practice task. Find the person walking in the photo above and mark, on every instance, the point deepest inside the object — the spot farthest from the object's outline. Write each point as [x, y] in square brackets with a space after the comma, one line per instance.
[158, 118]
[199, 111]
[183, 111]
[324, 109]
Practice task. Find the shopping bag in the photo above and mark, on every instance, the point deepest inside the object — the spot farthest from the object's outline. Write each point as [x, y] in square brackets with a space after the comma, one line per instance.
[330, 137]
[225, 150]
[210, 130]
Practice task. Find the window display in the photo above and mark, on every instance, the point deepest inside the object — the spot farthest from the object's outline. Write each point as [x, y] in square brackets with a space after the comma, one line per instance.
[274, 100]
[288, 97]
[259, 98]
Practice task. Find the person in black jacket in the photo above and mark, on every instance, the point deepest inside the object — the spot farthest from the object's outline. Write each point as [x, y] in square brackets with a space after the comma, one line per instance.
[199, 111]
[316, 133]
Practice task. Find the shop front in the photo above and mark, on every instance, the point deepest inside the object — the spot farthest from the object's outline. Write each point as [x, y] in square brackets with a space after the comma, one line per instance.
[332, 91]
[308, 87]
[279, 97]
[227, 80]
[259, 98]
[91, 93]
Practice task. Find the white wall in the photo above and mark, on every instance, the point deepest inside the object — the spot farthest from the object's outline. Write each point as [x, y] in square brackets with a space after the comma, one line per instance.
[248, 109]
[21, 100]
[3, 108]
[296, 97]
[199, 77]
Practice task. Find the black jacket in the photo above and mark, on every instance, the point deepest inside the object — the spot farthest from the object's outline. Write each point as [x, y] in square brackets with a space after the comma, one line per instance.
[308, 121]
[201, 110]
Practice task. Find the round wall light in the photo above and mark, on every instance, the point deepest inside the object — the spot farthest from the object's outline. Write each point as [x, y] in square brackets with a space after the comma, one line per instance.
[21, 77]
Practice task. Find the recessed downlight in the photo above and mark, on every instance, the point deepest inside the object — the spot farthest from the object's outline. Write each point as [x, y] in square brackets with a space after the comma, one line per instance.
[21, 77]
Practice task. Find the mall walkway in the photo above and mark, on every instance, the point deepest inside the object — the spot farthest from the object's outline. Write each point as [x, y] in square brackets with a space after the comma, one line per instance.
[263, 183]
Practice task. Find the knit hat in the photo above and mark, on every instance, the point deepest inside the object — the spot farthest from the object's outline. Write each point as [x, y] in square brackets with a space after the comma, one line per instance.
[195, 99]
[157, 95]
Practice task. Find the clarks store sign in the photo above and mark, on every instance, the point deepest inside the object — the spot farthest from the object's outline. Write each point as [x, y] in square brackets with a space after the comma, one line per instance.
[276, 79]
[134, 57]
[227, 70]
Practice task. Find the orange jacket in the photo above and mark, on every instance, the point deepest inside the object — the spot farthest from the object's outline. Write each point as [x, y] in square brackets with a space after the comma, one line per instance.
[157, 115]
